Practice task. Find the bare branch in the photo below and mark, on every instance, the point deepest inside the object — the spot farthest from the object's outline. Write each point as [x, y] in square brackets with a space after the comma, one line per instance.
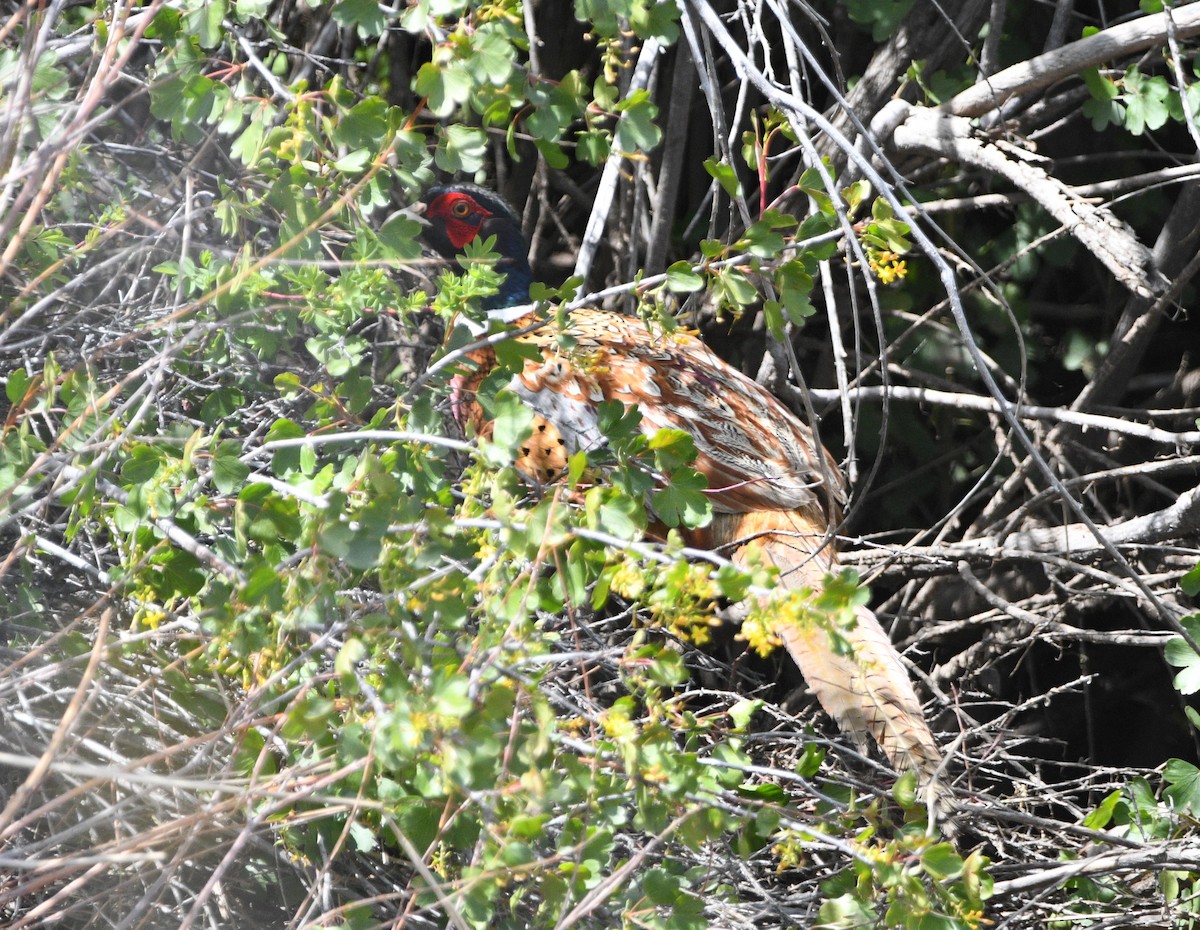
[988, 404]
[1043, 70]
[933, 131]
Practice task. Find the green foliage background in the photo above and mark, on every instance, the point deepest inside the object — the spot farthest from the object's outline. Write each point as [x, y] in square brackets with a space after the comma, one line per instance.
[282, 647]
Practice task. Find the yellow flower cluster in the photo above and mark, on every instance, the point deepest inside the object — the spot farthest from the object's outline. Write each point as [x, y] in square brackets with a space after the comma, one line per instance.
[888, 266]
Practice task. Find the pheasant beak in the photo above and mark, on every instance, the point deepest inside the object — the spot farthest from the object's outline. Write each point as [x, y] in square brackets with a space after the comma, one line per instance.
[415, 212]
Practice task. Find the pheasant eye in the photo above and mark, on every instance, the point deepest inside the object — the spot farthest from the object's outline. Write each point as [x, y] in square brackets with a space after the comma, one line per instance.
[460, 208]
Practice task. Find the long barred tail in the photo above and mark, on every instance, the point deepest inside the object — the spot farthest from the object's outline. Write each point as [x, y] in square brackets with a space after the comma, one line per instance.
[867, 690]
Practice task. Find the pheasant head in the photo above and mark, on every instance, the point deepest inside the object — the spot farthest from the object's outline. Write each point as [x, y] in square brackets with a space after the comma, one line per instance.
[458, 214]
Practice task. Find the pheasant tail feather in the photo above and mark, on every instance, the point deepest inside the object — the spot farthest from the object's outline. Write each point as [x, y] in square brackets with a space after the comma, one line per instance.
[867, 689]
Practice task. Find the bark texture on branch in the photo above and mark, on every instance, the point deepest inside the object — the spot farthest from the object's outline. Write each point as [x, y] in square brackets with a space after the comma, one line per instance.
[932, 131]
[1042, 71]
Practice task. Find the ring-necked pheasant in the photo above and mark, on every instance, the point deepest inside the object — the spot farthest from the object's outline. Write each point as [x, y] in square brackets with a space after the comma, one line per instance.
[772, 487]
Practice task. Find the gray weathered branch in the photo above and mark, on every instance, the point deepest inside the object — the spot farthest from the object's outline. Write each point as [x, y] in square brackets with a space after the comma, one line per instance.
[928, 130]
[1043, 70]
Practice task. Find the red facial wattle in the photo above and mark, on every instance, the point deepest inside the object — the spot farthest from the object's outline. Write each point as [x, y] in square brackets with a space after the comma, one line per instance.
[461, 217]
[460, 232]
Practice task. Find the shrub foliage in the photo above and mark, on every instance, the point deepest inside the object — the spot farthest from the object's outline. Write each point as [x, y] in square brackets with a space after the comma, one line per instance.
[282, 647]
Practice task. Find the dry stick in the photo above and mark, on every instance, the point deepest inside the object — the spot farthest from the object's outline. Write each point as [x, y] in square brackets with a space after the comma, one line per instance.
[1139, 321]
[613, 882]
[194, 333]
[598, 219]
[1043, 70]
[1175, 174]
[989, 404]
[670, 172]
[1181, 86]
[931, 131]
[18, 101]
[991, 45]
[927, 34]
[1111, 241]
[17, 18]
[34, 196]
[1067, 60]
[1174, 252]
[70, 715]
[1159, 857]
[1179, 519]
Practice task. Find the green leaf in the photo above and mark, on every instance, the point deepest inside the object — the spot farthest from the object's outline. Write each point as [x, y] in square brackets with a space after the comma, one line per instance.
[813, 184]
[248, 146]
[399, 237]
[672, 448]
[285, 460]
[1182, 656]
[794, 284]
[683, 501]
[658, 20]
[265, 516]
[363, 15]
[205, 20]
[228, 470]
[1099, 86]
[882, 17]
[1102, 815]
[856, 194]
[1103, 113]
[767, 792]
[576, 466]
[462, 149]
[1190, 104]
[763, 240]
[1146, 102]
[905, 789]
[734, 288]
[810, 761]
[743, 712]
[17, 385]
[492, 55]
[1189, 584]
[551, 151]
[613, 512]
[445, 88]
[725, 175]
[660, 886]
[356, 538]
[1146, 105]
[251, 9]
[364, 125]
[142, 465]
[681, 279]
[593, 146]
[618, 423]
[512, 354]
[1183, 786]
[353, 162]
[942, 862]
[636, 129]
